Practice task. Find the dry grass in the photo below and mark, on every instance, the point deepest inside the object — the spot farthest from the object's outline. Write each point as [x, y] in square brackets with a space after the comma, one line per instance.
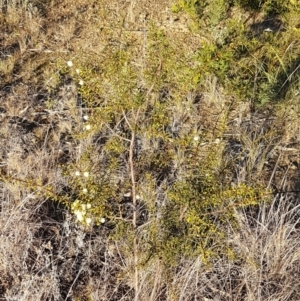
[45, 255]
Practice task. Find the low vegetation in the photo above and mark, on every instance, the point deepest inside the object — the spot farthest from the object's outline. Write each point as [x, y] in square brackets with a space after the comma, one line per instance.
[149, 150]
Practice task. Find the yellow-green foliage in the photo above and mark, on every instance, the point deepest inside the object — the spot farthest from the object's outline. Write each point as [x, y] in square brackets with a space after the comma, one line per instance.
[267, 6]
[255, 63]
[197, 209]
[123, 99]
[141, 128]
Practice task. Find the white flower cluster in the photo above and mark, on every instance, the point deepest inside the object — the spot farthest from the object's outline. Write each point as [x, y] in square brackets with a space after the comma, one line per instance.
[70, 64]
[86, 127]
[85, 174]
[128, 195]
[81, 212]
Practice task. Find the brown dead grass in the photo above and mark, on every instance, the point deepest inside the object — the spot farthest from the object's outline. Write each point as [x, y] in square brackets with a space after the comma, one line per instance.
[44, 254]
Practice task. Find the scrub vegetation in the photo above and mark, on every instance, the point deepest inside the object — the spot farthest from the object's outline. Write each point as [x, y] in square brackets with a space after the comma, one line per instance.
[150, 150]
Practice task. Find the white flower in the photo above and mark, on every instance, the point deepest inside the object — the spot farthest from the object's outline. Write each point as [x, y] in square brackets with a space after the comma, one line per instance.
[86, 117]
[77, 71]
[77, 173]
[88, 206]
[127, 195]
[84, 190]
[70, 63]
[81, 82]
[217, 141]
[88, 127]
[137, 197]
[86, 174]
[79, 215]
[102, 220]
[88, 220]
[196, 138]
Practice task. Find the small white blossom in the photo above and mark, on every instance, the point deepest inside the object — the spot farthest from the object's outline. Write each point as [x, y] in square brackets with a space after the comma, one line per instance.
[86, 117]
[79, 215]
[137, 197]
[86, 174]
[88, 206]
[70, 63]
[88, 220]
[196, 138]
[81, 82]
[217, 141]
[127, 195]
[102, 220]
[88, 127]
[84, 190]
[77, 71]
[77, 173]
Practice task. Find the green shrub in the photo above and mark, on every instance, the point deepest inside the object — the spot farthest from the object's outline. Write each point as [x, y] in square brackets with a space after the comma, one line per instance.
[250, 61]
[144, 166]
[126, 102]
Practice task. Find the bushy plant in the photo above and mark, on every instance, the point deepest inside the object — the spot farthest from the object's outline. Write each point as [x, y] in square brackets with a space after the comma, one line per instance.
[141, 138]
[255, 62]
[135, 121]
[148, 138]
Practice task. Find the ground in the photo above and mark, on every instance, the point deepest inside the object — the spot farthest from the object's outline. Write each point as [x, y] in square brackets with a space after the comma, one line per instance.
[163, 116]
